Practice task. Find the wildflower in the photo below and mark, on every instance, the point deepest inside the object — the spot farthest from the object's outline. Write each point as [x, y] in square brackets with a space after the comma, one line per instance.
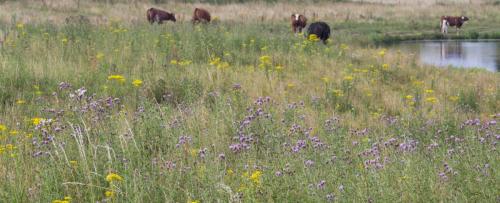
[184, 62]
[73, 163]
[173, 62]
[255, 177]
[109, 194]
[68, 198]
[338, 93]
[431, 99]
[10, 147]
[344, 47]
[20, 101]
[113, 177]
[385, 66]
[137, 83]
[13, 132]
[117, 78]
[223, 65]
[36, 120]
[230, 172]
[325, 79]
[279, 67]
[20, 25]
[265, 59]
[453, 98]
[64, 40]
[308, 163]
[214, 61]
[3, 127]
[408, 97]
[60, 201]
[290, 85]
[321, 184]
[99, 56]
[195, 201]
[313, 38]
[348, 78]
[381, 53]
[429, 91]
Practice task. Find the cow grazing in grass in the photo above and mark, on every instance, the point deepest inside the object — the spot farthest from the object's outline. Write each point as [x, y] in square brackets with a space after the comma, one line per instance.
[201, 15]
[299, 22]
[157, 15]
[320, 29]
[453, 21]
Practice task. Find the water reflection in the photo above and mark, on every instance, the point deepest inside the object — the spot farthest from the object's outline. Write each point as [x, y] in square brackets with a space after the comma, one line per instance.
[465, 54]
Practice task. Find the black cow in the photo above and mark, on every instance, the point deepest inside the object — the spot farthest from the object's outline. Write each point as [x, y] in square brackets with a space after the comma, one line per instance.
[320, 29]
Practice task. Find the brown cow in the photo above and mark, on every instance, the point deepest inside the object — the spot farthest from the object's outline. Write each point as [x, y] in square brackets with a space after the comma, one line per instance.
[298, 22]
[157, 15]
[201, 15]
[451, 21]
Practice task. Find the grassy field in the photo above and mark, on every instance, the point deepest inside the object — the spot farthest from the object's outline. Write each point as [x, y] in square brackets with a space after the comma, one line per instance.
[241, 110]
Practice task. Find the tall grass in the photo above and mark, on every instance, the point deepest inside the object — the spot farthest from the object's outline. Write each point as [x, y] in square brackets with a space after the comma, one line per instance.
[236, 112]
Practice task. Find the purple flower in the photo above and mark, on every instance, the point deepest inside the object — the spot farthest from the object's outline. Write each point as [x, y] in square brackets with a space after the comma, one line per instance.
[321, 184]
[309, 163]
[278, 173]
[222, 156]
[203, 152]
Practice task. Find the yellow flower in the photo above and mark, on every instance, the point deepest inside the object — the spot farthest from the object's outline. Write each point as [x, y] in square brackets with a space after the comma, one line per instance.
[348, 78]
[13, 132]
[453, 98]
[223, 65]
[20, 101]
[265, 59]
[290, 85]
[67, 198]
[20, 25]
[431, 99]
[36, 120]
[109, 194]
[279, 67]
[255, 177]
[99, 56]
[60, 201]
[113, 177]
[230, 172]
[385, 66]
[173, 62]
[313, 38]
[117, 78]
[137, 83]
[73, 163]
[409, 97]
[344, 47]
[338, 93]
[429, 91]
[3, 127]
[64, 40]
[325, 79]
[184, 62]
[195, 201]
[10, 147]
[381, 53]
[214, 61]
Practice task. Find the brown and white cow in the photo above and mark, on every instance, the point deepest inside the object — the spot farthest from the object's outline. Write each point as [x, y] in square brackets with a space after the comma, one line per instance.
[452, 21]
[201, 15]
[157, 15]
[298, 22]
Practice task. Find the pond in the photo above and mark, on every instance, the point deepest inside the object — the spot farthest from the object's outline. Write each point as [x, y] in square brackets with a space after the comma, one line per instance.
[457, 53]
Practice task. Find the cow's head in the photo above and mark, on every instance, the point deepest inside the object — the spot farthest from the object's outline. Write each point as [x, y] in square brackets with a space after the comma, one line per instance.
[464, 18]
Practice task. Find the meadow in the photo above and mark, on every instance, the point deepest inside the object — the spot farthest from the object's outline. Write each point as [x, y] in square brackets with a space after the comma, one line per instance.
[241, 110]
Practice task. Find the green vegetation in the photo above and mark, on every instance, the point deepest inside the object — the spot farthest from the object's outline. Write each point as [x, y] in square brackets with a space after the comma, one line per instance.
[234, 112]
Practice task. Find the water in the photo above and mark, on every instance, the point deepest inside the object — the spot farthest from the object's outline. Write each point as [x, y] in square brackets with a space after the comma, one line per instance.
[457, 53]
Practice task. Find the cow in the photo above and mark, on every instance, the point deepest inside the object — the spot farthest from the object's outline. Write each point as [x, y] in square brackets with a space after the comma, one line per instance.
[200, 15]
[320, 29]
[298, 22]
[451, 21]
[157, 15]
